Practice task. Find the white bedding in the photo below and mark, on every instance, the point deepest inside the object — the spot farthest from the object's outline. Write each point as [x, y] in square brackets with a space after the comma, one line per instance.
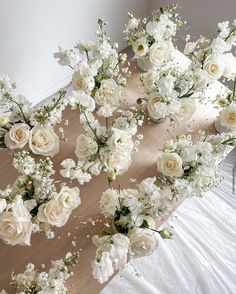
[201, 258]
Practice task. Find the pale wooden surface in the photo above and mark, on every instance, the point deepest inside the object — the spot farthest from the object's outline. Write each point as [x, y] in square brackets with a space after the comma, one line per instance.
[143, 165]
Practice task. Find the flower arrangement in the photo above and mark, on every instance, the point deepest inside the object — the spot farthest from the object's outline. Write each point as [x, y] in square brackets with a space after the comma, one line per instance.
[52, 281]
[32, 204]
[99, 70]
[189, 166]
[25, 126]
[132, 213]
[151, 38]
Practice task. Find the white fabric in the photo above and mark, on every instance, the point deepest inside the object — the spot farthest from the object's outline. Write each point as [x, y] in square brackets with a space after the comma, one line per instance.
[201, 258]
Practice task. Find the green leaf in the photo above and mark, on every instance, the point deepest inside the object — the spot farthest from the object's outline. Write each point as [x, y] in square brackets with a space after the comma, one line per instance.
[144, 225]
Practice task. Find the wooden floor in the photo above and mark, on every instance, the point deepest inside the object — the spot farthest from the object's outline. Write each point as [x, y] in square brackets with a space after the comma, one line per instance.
[80, 226]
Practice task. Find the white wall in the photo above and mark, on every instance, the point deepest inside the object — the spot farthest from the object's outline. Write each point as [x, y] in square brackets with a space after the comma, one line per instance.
[31, 30]
[202, 15]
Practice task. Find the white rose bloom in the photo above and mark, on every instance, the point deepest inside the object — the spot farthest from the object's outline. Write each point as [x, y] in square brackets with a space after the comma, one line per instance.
[170, 164]
[120, 141]
[187, 109]
[18, 136]
[155, 106]
[228, 117]
[83, 82]
[108, 93]
[15, 225]
[118, 162]
[109, 202]
[43, 141]
[83, 99]
[230, 66]
[3, 120]
[69, 197]
[142, 242]
[159, 53]
[140, 47]
[103, 269]
[53, 212]
[214, 66]
[85, 147]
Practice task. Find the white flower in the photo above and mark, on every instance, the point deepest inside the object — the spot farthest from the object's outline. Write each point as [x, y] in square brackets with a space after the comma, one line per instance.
[154, 106]
[85, 147]
[103, 269]
[5, 84]
[81, 98]
[149, 80]
[69, 197]
[109, 202]
[130, 200]
[120, 141]
[18, 136]
[189, 47]
[230, 66]
[15, 225]
[119, 250]
[228, 117]
[83, 82]
[53, 212]
[68, 165]
[214, 66]
[159, 53]
[142, 242]
[106, 110]
[66, 57]
[219, 46]
[201, 79]
[43, 141]
[170, 164]
[86, 46]
[187, 109]
[132, 23]
[3, 204]
[108, 93]
[140, 47]
[3, 120]
[141, 218]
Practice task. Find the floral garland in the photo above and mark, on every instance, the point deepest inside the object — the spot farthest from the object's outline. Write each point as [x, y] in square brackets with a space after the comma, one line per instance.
[32, 204]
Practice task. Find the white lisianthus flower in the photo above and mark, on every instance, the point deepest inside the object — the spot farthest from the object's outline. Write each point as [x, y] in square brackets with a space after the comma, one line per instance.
[43, 141]
[53, 212]
[120, 141]
[18, 136]
[147, 218]
[140, 47]
[187, 109]
[3, 120]
[230, 66]
[15, 225]
[69, 197]
[85, 147]
[108, 93]
[170, 164]
[106, 110]
[214, 66]
[130, 200]
[68, 165]
[119, 251]
[82, 82]
[159, 53]
[81, 98]
[103, 268]
[154, 106]
[228, 117]
[109, 202]
[143, 242]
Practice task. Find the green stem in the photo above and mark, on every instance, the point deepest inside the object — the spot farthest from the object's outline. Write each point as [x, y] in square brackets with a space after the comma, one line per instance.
[88, 123]
[87, 54]
[20, 108]
[234, 91]
[107, 123]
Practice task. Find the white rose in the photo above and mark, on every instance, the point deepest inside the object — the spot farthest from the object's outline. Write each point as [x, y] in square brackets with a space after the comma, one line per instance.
[230, 66]
[43, 141]
[142, 242]
[214, 66]
[83, 82]
[53, 213]
[108, 93]
[18, 136]
[187, 109]
[3, 120]
[81, 98]
[85, 147]
[69, 197]
[109, 202]
[228, 117]
[154, 103]
[170, 164]
[159, 53]
[118, 162]
[140, 47]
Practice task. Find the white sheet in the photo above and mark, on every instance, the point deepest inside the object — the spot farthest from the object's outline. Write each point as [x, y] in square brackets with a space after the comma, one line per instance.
[201, 259]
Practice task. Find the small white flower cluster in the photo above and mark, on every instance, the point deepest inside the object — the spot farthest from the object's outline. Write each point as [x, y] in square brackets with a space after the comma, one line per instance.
[25, 125]
[32, 203]
[99, 70]
[190, 166]
[170, 93]
[32, 280]
[151, 39]
[103, 148]
[133, 213]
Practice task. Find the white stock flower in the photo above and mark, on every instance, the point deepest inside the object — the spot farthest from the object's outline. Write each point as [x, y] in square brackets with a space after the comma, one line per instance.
[219, 46]
[140, 47]
[228, 117]
[149, 79]
[83, 82]
[201, 79]
[66, 57]
[119, 250]
[155, 105]
[187, 109]
[85, 147]
[159, 53]
[103, 269]
[108, 93]
[18, 136]
[3, 120]
[189, 47]
[120, 141]
[81, 98]
[170, 164]
[142, 242]
[132, 23]
[214, 66]
[3, 204]
[230, 66]
[69, 197]
[43, 141]
[86, 46]
[106, 110]
[68, 165]
[109, 202]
